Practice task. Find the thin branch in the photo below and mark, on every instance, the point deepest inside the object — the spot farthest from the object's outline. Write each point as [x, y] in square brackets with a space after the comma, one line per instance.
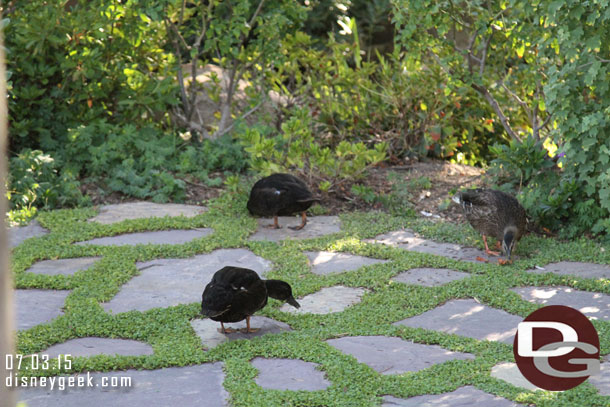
[183, 95]
[522, 103]
[496, 107]
[242, 117]
[603, 61]
[484, 55]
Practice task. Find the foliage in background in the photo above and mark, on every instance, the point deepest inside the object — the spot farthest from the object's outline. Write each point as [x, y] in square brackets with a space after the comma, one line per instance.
[38, 181]
[484, 46]
[578, 94]
[296, 150]
[74, 64]
[390, 100]
[242, 38]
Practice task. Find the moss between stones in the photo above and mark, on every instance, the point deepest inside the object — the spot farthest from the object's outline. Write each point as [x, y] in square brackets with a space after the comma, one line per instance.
[353, 384]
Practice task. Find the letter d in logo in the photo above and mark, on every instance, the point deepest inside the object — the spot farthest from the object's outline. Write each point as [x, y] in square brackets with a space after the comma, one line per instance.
[526, 338]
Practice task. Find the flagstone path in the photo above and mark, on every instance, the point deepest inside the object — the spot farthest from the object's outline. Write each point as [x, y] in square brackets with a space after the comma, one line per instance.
[168, 282]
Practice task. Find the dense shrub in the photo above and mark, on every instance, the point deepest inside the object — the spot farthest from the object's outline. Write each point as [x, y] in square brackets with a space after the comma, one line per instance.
[295, 149]
[37, 180]
[392, 99]
[70, 65]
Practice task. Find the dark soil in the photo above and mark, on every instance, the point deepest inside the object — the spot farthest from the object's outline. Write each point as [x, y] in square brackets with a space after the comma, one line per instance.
[444, 177]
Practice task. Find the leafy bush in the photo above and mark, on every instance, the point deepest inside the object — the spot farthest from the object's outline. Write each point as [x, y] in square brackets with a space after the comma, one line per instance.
[578, 94]
[35, 181]
[73, 64]
[296, 149]
[393, 100]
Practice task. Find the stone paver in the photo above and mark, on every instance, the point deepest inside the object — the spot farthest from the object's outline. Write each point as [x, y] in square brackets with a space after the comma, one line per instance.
[169, 282]
[331, 262]
[316, 226]
[593, 305]
[63, 266]
[18, 234]
[468, 318]
[199, 385]
[289, 374]
[390, 355]
[36, 307]
[179, 236]
[92, 346]
[509, 372]
[429, 277]
[207, 330]
[575, 268]
[602, 380]
[407, 240]
[137, 210]
[327, 300]
[467, 396]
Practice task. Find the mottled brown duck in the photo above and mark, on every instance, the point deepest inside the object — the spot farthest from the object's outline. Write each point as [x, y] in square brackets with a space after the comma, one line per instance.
[494, 213]
[281, 195]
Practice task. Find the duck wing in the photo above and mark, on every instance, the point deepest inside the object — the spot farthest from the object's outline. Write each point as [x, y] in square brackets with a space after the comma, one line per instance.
[233, 294]
[279, 194]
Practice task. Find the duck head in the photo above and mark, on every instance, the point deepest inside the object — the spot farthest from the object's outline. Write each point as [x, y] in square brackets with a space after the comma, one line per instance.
[281, 290]
[509, 240]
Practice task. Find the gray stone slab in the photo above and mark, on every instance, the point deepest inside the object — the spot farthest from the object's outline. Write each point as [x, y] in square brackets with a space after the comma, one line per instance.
[602, 380]
[137, 210]
[593, 305]
[332, 262]
[207, 330]
[199, 385]
[179, 236]
[289, 374]
[18, 234]
[327, 300]
[510, 373]
[407, 240]
[391, 355]
[468, 318]
[316, 226]
[92, 346]
[467, 396]
[36, 307]
[575, 268]
[429, 277]
[62, 266]
[168, 282]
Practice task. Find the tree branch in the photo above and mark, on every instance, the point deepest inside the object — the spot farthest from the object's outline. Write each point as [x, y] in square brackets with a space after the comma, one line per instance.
[484, 54]
[496, 107]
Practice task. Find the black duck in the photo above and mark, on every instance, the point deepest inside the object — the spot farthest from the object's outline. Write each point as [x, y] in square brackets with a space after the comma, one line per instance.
[281, 195]
[236, 293]
[494, 213]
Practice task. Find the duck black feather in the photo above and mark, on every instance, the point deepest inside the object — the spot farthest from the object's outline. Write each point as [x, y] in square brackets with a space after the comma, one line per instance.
[280, 195]
[236, 293]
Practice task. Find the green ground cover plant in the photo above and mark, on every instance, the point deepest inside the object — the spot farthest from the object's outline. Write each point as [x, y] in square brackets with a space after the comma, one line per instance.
[174, 342]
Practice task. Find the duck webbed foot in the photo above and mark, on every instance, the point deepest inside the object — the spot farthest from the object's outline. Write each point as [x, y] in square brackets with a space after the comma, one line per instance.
[249, 329]
[303, 222]
[275, 224]
[490, 252]
[224, 330]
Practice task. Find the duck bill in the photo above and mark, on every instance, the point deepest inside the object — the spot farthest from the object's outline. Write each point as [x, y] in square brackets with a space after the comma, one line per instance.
[293, 302]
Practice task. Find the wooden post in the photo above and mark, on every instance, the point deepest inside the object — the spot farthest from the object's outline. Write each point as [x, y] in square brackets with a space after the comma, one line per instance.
[8, 395]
